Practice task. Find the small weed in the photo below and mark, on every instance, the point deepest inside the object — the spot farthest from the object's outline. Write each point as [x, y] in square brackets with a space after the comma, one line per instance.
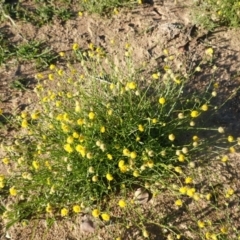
[91, 140]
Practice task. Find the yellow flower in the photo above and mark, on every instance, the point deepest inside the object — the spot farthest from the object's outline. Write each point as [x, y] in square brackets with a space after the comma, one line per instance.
[61, 54]
[195, 138]
[109, 177]
[194, 114]
[224, 230]
[171, 137]
[145, 233]
[82, 150]
[64, 212]
[70, 139]
[13, 191]
[162, 100]
[150, 163]
[102, 129]
[6, 160]
[123, 168]
[156, 75]
[201, 224]
[52, 67]
[51, 76]
[105, 217]
[67, 147]
[35, 115]
[109, 156]
[75, 135]
[224, 158]
[122, 203]
[178, 202]
[96, 213]
[136, 173]
[178, 170]
[80, 121]
[35, 165]
[75, 47]
[132, 85]
[133, 155]
[204, 107]
[181, 158]
[140, 128]
[183, 190]
[154, 120]
[191, 192]
[209, 52]
[232, 150]
[188, 180]
[24, 123]
[49, 208]
[91, 115]
[208, 235]
[95, 178]
[2, 178]
[208, 196]
[76, 209]
[126, 152]
[230, 138]
[109, 112]
[229, 192]
[121, 163]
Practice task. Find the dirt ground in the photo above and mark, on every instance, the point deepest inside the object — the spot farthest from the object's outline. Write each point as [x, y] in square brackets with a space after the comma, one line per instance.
[149, 29]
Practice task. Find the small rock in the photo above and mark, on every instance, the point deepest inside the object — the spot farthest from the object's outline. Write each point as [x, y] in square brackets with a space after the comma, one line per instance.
[141, 196]
[87, 225]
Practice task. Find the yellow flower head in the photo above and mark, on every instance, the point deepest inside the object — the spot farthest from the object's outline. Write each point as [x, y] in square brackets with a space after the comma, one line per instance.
[95, 213]
[82, 150]
[13, 191]
[188, 180]
[91, 115]
[162, 100]
[109, 156]
[178, 203]
[183, 190]
[6, 160]
[132, 85]
[204, 107]
[126, 152]
[95, 178]
[109, 177]
[64, 212]
[24, 123]
[35, 164]
[191, 192]
[102, 129]
[75, 47]
[67, 147]
[209, 52]
[156, 75]
[105, 217]
[49, 208]
[122, 203]
[171, 137]
[76, 209]
[51, 76]
[230, 138]
[201, 224]
[136, 173]
[140, 128]
[194, 114]
[133, 155]
[181, 158]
